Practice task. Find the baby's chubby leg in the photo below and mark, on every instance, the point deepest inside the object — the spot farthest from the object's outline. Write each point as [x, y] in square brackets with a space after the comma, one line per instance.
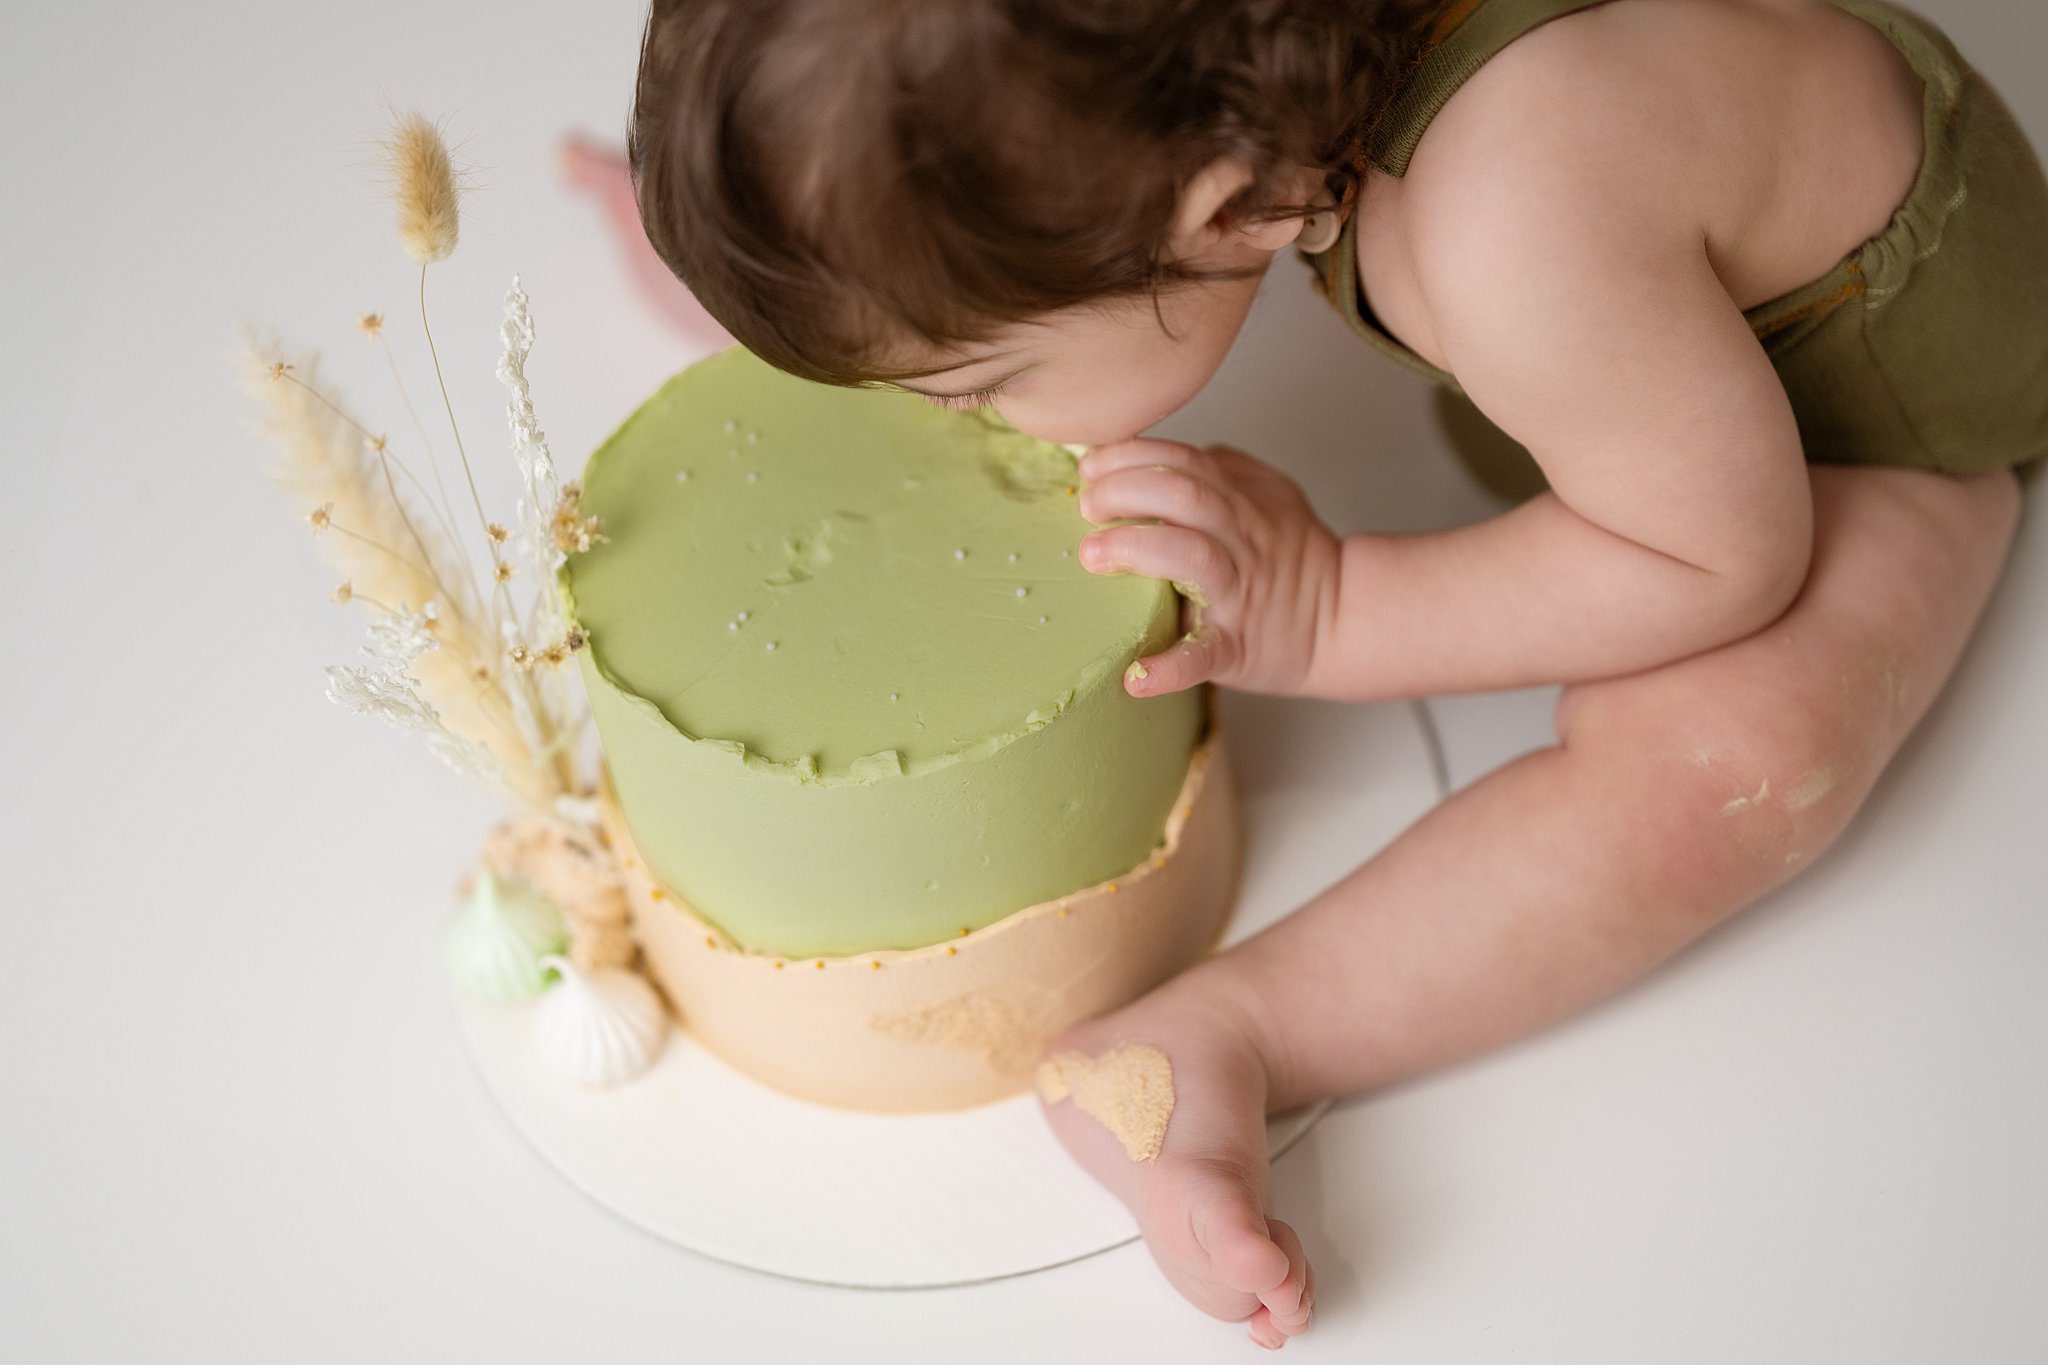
[1673, 798]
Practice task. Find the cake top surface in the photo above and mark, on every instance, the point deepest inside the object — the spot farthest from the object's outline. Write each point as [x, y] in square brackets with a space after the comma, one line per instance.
[850, 581]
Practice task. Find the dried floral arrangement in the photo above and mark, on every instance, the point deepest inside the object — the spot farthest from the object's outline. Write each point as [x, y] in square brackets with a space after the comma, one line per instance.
[467, 645]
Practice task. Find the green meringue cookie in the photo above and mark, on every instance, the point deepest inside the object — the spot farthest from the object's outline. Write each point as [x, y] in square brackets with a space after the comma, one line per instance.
[495, 941]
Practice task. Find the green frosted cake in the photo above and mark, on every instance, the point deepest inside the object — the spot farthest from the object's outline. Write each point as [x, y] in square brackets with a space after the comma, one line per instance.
[855, 691]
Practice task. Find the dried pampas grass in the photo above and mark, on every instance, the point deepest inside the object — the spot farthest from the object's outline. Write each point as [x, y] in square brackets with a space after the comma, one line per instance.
[423, 188]
[483, 677]
[393, 558]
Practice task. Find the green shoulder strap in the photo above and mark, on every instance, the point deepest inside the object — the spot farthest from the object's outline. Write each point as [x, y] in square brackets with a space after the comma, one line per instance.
[1470, 34]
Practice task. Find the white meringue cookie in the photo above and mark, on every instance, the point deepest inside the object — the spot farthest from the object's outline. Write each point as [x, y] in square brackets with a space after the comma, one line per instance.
[598, 1028]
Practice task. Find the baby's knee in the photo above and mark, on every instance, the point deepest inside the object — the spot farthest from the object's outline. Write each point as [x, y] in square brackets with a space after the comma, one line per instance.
[1730, 797]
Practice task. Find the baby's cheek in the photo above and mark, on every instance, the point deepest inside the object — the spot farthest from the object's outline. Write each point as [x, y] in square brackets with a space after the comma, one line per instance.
[1097, 410]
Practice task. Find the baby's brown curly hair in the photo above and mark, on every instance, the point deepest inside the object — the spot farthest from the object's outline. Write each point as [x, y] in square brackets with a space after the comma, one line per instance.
[835, 178]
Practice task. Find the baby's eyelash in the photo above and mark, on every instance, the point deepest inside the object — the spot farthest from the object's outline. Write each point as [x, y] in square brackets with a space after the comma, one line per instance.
[966, 402]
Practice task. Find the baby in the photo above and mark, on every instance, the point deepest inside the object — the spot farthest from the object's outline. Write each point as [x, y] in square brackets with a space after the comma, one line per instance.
[1757, 288]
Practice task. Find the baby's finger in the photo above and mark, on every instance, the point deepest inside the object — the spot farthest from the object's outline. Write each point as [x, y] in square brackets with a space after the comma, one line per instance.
[1103, 461]
[1174, 553]
[1152, 491]
[1194, 659]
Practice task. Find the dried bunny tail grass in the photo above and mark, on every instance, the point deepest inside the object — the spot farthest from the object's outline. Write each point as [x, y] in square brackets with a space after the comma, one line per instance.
[423, 186]
[326, 462]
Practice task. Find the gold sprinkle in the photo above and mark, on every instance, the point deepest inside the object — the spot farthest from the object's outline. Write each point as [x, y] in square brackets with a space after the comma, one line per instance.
[778, 966]
[876, 965]
[1159, 862]
[1071, 490]
[658, 894]
[1112, 888]
[951, 951]
[710, 942]
[1186, 811]
[963, 931]
[1063, 912]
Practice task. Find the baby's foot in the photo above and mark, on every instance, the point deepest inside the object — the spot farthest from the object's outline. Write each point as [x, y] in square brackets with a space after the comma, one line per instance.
[602, 173]
[1201, 1197]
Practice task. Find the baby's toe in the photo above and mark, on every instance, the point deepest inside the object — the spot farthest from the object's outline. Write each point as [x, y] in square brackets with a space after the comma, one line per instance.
[1264, 1331]
[1229, 1227]
[1285, 1298]
[589, 165]
[1297, 1322]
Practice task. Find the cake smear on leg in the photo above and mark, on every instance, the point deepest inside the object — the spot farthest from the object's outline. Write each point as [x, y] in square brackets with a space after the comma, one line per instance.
[1164, 1102]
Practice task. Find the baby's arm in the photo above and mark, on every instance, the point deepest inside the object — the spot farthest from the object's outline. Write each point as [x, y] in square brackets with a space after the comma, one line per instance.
[1598, 334]
[1576, 300]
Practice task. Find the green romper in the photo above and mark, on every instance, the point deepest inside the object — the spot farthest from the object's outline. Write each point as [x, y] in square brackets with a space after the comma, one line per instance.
[1927, 346]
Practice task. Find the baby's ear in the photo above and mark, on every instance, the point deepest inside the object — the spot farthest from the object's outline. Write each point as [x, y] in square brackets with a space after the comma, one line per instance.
[1204, 223]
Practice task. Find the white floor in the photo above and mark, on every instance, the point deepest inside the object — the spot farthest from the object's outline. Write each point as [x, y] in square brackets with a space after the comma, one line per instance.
[235, 1121]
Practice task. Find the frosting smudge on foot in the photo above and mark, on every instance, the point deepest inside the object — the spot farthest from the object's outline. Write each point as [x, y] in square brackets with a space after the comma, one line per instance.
[1128, 1090]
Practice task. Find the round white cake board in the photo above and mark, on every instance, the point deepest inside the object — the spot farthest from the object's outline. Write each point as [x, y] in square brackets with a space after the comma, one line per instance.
[704, 1157]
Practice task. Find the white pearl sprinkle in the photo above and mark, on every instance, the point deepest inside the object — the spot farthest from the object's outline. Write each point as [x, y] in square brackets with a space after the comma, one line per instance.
[732, 625]
[1066, 554]
[682, 476]
[731, 425]
[743, 616]
[753, 476]
[769, 645]
[1013, 556]
[752, 437]
[959, 554]
[893, 696]
[1023, 592]
[1041, 620]
[733, 454]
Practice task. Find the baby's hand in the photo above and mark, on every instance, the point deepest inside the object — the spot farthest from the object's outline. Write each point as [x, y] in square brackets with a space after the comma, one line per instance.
[1237, 537]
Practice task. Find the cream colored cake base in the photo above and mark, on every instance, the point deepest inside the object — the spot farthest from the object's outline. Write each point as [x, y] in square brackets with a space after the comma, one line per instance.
[960, 1023]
